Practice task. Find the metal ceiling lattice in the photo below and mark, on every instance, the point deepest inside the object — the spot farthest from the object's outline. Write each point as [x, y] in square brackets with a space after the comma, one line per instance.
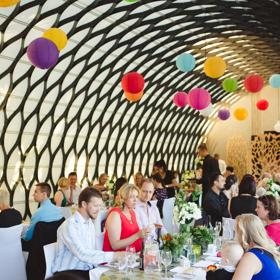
[76, 112]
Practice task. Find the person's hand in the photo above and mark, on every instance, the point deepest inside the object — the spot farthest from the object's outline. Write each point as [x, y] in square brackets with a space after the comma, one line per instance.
[144, 232]
[118, 256]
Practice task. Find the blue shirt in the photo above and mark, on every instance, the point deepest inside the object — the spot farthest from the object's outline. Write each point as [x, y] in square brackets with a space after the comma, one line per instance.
[270, 269]
[47, 212]
[76, 246]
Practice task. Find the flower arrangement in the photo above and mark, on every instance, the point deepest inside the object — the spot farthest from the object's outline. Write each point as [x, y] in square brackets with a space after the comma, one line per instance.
[185, 212]
[198, 162]
[273, 189]
[201, 236]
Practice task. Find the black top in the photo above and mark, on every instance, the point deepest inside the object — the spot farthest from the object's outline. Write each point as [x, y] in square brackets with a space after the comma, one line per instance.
[216, 206]
[10, 217]
[243, 204]
[210, 166]
[167, 180]
[219, 274]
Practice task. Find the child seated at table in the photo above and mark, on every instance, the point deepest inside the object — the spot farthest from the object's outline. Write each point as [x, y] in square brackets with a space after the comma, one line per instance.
[231, 254]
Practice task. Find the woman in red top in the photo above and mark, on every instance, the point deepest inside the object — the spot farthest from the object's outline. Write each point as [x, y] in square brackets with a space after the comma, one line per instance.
[268, 211]
[121, 228]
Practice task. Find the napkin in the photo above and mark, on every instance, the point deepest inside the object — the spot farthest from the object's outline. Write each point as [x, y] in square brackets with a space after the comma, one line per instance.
[95, 274]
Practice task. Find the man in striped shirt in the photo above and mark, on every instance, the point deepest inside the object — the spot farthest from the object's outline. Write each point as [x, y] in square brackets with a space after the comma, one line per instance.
[76, 239]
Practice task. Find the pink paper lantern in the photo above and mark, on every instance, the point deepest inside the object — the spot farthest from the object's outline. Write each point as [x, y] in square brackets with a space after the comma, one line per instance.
[199, 98]
[180, 99]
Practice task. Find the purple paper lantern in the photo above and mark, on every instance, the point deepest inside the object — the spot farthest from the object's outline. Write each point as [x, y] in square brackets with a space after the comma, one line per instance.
[199, 98]
[223, 114]
[42, 53]
[180, 99]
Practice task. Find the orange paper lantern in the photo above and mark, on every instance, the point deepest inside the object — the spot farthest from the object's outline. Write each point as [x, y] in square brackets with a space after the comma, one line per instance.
[133, 97]
[8, 3]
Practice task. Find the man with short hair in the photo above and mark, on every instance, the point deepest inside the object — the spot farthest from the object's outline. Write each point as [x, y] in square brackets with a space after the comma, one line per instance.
[47, 212]
[216, 202]
[147, 214]
[76, 241]
[75, 190]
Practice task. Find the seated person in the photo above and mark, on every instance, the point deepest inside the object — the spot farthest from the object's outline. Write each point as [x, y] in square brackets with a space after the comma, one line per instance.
[231, 187]
[245, 202]
[102, 180]
[216, 202]
[118, 184]
[47, 212]
[231, 254]
[147, 214]
[138, 178]
[8, 216]
[268, 211]
[261, 260]
[121, 227]
[161, 193]
[229, 171]
[75, 189]
[61, 197]
[76, 251]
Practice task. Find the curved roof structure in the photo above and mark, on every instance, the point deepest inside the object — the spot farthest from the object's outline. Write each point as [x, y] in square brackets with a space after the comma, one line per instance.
[74, 116]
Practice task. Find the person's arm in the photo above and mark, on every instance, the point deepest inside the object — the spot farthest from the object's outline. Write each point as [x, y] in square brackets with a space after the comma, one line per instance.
[247, 267]
[34, 220]
[173, 184]
[229, 203]
[113, 226]
[78, 247]
[58, 197]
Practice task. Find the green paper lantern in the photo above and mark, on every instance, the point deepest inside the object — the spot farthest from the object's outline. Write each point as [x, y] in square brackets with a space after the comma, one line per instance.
[230, 84]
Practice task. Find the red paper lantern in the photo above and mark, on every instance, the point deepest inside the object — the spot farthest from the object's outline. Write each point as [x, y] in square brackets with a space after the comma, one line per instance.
[262, 104]
[133, 97]
[253, 83]
[180, 99]
[133, 82]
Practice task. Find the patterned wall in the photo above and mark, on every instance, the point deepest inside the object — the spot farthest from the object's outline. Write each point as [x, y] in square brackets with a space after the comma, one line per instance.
[74, 115]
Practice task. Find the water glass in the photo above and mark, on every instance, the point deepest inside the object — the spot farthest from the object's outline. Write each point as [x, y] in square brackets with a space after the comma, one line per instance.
[131, 257]
[122, 263]
[166, 260]
[192, 257]
[217, 229]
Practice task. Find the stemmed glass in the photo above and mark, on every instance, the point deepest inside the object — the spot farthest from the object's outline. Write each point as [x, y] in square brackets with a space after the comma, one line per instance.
[217, 229]
[166, 260]
[131, 257]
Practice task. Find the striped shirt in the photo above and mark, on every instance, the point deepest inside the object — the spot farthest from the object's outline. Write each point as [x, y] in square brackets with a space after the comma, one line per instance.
[76, 246]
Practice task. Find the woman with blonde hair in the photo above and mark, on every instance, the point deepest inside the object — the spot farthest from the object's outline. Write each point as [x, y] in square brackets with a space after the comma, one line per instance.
[60, 197]
[121, 228]
[262, 259]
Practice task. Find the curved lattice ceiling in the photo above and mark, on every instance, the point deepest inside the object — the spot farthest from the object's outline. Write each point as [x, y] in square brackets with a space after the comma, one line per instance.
[75, 115]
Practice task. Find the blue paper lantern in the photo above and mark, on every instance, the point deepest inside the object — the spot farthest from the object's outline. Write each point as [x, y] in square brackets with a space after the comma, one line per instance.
[185, 62]
[274, 80]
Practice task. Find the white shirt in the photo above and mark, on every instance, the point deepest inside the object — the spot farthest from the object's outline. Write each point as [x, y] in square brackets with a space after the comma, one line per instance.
[222, 166]
[147, 215]
[76, 246]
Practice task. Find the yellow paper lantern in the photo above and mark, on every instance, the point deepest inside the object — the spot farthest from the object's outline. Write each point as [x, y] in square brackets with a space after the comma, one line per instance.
[214, 67]
[133, 97]
[8, 3]
[241, 114]
[56, 35]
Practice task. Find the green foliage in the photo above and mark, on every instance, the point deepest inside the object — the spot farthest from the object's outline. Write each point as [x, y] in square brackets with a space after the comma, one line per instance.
[201, 235]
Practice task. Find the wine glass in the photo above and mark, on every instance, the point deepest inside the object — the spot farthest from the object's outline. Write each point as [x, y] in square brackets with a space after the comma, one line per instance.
[166, 260]
[217, 229]
[131, 257]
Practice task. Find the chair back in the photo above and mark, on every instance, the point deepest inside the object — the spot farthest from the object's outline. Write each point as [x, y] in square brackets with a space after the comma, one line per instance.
[228, 228]
[167, 212]
[49, 252]
[66, 212]
[44, 233]
[12, 264]
[101, 217]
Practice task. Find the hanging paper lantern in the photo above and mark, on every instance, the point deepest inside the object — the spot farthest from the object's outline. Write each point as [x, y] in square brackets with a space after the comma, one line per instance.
[262, 104]
[8, 3]
[185, 62]
[274, 81]
[230, 84]
[133, 82]
[180, 99]
[214, 67]
[133, 97]
[223, 114]
[199, 98]
[42, 53]
[207, 111]
[277, 126]
[57, 36]
[253, 83]
[241, 114]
